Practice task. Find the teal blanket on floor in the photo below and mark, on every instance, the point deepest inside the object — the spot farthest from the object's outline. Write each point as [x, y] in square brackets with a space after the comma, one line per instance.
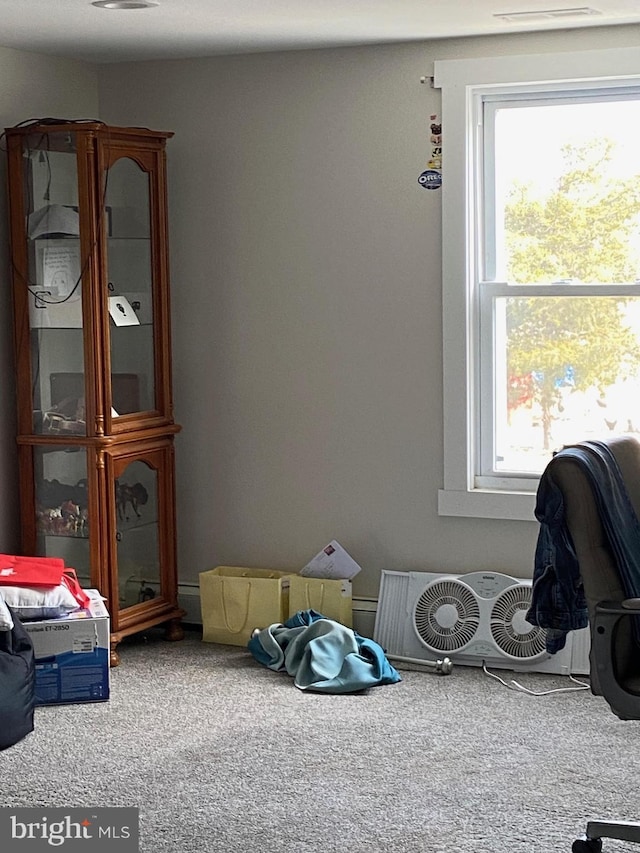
[322, 655]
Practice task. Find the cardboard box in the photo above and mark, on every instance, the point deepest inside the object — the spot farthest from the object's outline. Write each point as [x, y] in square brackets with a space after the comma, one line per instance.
[331, 598]
[235, 600]
[72, 655]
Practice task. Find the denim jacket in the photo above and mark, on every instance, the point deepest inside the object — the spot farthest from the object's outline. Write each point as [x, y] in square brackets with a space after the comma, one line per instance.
[558, 602]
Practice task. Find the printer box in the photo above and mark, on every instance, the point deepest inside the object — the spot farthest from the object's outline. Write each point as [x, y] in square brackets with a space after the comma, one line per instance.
[72, 655]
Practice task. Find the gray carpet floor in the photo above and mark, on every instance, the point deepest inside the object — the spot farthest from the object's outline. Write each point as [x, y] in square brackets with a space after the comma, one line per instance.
[223, 755]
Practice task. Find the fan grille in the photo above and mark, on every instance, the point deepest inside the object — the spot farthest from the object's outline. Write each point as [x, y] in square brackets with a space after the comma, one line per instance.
[447, 615]
[511, 632]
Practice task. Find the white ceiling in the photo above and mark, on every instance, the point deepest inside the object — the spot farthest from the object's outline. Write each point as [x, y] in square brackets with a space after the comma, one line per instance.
[191, 28]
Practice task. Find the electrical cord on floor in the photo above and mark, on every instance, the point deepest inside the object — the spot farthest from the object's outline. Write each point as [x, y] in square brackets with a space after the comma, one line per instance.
[515, 685]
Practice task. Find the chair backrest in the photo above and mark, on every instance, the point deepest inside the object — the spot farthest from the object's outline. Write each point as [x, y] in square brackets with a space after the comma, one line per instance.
[600, 575]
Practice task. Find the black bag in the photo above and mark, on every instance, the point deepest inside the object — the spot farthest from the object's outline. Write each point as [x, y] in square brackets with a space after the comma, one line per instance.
[17, 684]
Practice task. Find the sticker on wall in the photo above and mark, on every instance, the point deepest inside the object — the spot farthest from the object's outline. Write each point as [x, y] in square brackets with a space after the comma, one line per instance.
[431, 178]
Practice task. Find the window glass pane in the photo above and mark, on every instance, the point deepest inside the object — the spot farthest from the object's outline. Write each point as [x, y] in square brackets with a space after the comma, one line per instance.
[564, 176]
[522, 212]
[566, 369]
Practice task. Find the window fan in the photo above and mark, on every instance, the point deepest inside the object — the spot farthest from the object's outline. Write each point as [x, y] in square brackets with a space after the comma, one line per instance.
[471, 619]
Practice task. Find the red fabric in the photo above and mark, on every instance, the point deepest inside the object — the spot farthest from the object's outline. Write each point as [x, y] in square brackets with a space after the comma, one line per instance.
[31, 571]
[40, 571]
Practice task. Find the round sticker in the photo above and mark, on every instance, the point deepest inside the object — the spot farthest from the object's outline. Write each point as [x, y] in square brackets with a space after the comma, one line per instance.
[430, 179]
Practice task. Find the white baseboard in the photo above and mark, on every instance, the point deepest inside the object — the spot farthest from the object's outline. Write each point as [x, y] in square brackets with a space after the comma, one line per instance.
[189, 601]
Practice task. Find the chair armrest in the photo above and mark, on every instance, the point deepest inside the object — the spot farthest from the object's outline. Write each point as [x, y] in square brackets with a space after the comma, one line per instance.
[620, 608]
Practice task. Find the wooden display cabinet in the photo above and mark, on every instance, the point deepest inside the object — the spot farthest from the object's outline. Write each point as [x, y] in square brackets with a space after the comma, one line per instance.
[88, 221]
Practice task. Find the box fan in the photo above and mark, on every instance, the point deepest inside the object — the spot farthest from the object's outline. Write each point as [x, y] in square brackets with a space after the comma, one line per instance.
[471, 619]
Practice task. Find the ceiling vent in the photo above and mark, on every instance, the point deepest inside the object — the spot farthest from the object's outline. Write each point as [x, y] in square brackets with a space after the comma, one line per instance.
[547, 14]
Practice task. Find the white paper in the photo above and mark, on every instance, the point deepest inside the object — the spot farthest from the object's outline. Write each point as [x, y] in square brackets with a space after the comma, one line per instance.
[332, 563]
[143, 306]
[60, 269]
[46, 315]
[55, 300]
[121, 311]
[54, 219]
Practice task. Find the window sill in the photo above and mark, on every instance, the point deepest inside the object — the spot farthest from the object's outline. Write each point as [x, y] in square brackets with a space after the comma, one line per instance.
[484, 503]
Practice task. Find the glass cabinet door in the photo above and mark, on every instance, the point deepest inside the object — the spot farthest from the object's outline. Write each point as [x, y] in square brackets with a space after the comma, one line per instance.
[137, 536]
[62, 506]
[130, 288]
[54, 283]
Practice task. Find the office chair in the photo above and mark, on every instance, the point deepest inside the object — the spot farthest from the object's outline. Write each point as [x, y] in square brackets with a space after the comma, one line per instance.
[614, 656]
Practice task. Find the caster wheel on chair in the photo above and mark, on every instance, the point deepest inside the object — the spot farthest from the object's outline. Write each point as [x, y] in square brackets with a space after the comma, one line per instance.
[587, 845]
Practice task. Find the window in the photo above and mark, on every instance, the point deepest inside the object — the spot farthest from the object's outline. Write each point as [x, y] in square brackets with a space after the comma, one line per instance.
[542, 308]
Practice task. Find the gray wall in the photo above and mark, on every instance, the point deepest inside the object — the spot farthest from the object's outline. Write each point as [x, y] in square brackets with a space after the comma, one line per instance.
[306, 268]
[306, 299]
[32, 86]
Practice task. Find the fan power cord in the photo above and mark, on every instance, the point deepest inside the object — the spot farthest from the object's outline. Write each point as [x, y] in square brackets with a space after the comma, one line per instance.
[515, 685]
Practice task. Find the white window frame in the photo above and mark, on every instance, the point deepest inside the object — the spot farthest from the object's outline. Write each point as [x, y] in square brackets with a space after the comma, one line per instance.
[464, 83]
